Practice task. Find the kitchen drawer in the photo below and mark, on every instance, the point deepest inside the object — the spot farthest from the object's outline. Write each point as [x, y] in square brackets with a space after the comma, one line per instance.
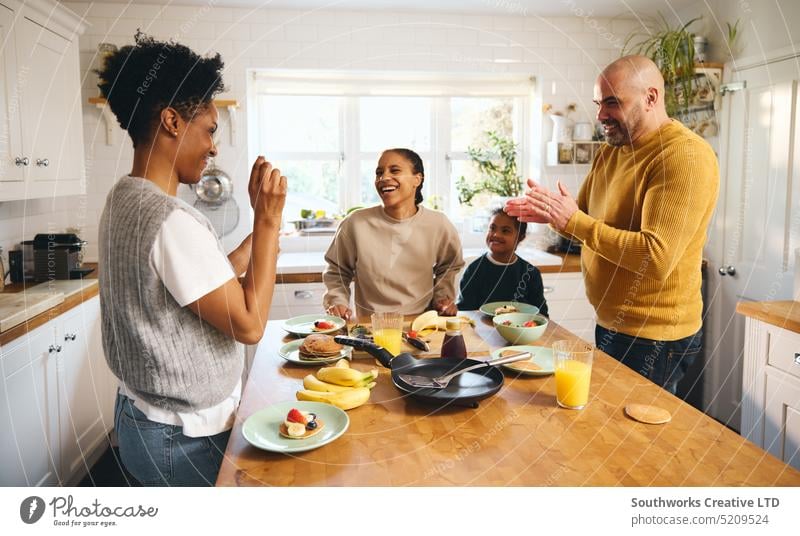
[299, 295]
[784, 351]
[564, 287]
[562, 311]
[782, 417]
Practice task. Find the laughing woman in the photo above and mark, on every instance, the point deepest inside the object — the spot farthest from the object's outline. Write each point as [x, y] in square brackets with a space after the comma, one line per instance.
[404, 257]
[172, 305]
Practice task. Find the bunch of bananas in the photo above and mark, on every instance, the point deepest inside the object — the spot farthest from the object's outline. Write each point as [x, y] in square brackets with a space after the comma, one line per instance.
[431, 321]
[339, 386]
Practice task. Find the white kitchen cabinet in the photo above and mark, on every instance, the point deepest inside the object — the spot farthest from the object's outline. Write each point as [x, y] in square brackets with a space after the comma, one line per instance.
[11, 175]
[56, 400]
[771, 389]
[87, 389]
[29, 444]
[294, 299]
[782, 418]
[42, 149]
[568, 305]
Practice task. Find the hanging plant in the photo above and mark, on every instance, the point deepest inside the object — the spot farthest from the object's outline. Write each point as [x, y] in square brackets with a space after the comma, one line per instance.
[672, 49]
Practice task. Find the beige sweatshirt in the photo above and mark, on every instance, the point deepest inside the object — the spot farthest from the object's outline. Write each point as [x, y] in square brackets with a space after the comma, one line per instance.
[398, 265]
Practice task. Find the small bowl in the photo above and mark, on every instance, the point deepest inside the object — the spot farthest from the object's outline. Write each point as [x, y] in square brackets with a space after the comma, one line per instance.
[515, 334]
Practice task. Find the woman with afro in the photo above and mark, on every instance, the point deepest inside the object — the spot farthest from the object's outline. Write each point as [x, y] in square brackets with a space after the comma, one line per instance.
[172, 304]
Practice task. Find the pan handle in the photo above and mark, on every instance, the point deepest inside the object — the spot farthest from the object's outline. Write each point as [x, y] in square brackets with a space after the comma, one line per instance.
[519, 356]
[379, 352]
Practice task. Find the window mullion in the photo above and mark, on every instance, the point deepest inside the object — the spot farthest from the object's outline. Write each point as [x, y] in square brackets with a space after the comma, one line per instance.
[351, 141]
[441, 146]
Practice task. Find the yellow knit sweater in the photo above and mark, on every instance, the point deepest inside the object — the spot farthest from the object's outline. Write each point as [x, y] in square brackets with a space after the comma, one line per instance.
[644, 211]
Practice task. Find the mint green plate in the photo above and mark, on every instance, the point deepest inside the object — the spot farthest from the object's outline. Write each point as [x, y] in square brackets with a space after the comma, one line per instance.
[541, 356]
[261, 428]
[291, 353]
[304, 325]
[488, 308]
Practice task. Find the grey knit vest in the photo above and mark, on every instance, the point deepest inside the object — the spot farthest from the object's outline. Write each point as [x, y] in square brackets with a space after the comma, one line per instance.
[163, 352]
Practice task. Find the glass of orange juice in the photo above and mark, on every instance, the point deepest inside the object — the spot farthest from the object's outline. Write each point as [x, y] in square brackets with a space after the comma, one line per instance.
[573, 366]
[387, 330]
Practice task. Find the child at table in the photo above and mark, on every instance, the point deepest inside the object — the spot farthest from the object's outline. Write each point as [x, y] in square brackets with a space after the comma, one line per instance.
[500, 274]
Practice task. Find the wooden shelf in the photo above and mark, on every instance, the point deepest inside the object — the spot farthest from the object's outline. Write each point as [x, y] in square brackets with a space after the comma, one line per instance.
[571, 153]
[100, 102]
[219, 103]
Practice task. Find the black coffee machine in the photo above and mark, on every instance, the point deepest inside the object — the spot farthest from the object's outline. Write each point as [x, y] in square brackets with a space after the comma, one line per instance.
[58, 256]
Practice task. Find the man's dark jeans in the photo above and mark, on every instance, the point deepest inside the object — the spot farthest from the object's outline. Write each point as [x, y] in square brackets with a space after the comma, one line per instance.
[662, 362]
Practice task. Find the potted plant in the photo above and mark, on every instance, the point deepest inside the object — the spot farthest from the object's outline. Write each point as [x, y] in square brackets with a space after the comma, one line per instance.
[672, 49]
[498, 168]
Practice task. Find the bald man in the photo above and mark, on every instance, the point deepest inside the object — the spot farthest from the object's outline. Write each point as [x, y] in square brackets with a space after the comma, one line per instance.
[641, 216]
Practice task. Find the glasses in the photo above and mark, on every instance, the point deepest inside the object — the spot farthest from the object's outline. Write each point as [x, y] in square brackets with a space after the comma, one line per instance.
[573, 367]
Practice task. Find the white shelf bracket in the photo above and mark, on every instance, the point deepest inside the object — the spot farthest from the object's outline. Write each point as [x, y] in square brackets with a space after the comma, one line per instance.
[109, 120]
[232, 119]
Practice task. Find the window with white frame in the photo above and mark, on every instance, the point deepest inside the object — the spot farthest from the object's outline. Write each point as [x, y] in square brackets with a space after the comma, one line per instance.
[326, 132]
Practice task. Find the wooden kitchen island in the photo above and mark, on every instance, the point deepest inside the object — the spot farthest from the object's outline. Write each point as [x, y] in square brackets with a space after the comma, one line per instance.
[518, 437]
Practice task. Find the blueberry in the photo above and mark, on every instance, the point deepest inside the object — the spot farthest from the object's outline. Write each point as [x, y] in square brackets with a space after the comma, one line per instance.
[311, 425]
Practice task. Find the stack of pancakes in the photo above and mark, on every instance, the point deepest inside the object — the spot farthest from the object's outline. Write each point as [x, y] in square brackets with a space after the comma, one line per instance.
[318, 347]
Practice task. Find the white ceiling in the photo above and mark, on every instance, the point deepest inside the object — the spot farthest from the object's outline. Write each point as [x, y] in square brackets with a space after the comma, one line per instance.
[547, 8]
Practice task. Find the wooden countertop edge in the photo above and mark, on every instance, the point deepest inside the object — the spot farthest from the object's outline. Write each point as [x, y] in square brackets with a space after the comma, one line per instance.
[570, 264]
[784, 314]
[42, 318]
[46, 316]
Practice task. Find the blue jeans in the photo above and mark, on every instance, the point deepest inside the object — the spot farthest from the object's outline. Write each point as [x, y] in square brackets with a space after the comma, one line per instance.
[159, 454]
[662, 362]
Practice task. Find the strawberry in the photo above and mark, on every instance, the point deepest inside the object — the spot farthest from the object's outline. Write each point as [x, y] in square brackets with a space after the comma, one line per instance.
[323, 324]
[295, 416]
[413, 334]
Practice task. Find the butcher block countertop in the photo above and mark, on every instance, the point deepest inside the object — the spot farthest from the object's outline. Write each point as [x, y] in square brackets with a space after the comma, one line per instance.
[518, 437]
[74, 292]
[784, 314]
[290, 272]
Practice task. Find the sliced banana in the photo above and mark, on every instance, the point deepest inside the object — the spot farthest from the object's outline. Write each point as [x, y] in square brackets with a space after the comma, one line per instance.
[295, 429]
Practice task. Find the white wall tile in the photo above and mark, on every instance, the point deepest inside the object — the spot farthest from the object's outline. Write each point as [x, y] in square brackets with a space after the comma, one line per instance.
[460, 36]
[567, 55]
[236, 31]
[430, 36]
[537, 24]
[300, 32]
[335, 34]
[552, 40]
[508, 23]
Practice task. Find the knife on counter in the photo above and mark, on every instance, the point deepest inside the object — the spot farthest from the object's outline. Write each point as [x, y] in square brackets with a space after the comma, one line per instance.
[416, 342]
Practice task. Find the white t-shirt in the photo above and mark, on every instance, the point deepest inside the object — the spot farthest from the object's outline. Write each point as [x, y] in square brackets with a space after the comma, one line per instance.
[186, 256]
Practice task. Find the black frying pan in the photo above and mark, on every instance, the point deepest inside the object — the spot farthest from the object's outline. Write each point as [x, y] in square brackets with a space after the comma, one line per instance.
[464, 390]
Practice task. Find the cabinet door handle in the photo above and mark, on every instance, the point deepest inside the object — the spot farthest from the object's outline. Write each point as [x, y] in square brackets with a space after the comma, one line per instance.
[43, 162]
[797, 358]
[303, 294]
[54, 348]
[69, 336]
[24, 161]
[548, 290]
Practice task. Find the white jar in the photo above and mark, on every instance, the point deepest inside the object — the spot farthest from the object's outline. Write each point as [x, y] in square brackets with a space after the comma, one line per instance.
[582, 132]
[562, 128]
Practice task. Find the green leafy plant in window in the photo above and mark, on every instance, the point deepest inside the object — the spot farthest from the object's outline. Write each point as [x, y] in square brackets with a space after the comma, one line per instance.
[498, 168]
